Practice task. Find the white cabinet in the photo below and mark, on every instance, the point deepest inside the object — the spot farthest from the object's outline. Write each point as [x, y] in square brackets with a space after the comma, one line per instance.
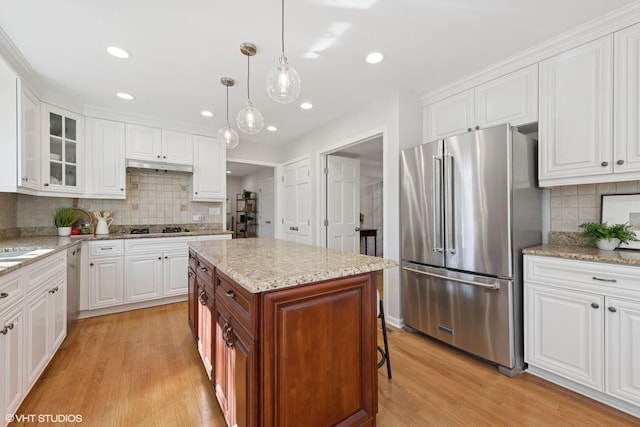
[105, 273]
[174, 265]
[582, 327]
[62, 151]
[12, 348]
[8, 129]
[106, 157]
[209, 180]
[512, 98]
[29, 139]
[143, 277]
[158, 145]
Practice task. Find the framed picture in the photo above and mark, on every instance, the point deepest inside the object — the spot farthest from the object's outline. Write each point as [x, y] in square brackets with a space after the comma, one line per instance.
[622, 208]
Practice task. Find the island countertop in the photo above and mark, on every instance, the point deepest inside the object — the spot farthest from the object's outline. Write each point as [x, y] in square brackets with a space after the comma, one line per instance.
[625, 257]
[264, 264]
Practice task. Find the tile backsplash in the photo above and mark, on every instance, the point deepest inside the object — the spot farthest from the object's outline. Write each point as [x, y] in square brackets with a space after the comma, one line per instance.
[573, 205]
[152, 198]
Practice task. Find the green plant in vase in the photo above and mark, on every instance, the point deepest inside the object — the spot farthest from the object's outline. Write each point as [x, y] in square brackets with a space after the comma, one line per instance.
[65, 218]
[605, 236]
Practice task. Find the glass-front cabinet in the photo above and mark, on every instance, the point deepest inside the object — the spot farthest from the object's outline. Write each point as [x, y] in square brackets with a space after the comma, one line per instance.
[62, 150]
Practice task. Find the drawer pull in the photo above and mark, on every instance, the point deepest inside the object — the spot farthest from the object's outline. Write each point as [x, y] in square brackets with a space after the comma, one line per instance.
[54, 290]
[613, 309]
[205, 269]
[604, 280]
[4, 295]
[6, 329]
[106, 249]
[595, 305]
[202, 296]
[230, 294]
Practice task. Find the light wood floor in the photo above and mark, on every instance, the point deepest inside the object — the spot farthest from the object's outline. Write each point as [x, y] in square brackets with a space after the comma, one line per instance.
[141, 368]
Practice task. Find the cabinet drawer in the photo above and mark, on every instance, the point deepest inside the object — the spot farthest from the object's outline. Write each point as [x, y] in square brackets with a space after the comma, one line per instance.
[585, 275]
[11, 289]
[156, 244]
[106, 248]
[204, 274]
[192, 260]
[242, 303]
[41, 271]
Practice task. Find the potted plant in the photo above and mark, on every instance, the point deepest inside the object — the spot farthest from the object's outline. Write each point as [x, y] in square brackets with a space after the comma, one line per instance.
[246, 194]
[605, 236]
[65, 218]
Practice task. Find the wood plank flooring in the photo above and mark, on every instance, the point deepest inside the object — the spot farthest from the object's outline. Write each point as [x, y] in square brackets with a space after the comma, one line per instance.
[141, 368]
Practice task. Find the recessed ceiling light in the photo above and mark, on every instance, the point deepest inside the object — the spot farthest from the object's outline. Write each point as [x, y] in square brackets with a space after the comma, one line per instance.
[374, 58]
[118, 52]
[206, 113]
[228, 171]
[272, 128]
[306, 106]
[124, 95]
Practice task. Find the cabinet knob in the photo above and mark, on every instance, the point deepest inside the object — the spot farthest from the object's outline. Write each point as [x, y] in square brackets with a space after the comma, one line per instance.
[164, 157]
[122, 189]
[620, 162]
[4, 295]
[160, 258]
[46, 184]
[595, 305]
[91, 265]
[196, 192]
[166, 257]
[604, 164]
[613, 309]
[25, 179]
[230, 294]
[469, 130]
[477, 127]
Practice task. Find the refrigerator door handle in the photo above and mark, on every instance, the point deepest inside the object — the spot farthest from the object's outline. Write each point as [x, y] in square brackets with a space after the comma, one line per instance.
[492, 286]
[436, 197]
[449, 238]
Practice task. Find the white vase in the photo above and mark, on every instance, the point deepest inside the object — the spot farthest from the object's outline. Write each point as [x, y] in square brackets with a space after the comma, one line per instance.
[607, 245]
[64, 231]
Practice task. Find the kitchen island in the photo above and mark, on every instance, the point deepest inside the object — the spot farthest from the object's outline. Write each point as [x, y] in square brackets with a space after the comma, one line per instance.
[286, 332]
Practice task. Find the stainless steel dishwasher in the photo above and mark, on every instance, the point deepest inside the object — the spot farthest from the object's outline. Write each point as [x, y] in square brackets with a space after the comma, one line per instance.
[73, 286]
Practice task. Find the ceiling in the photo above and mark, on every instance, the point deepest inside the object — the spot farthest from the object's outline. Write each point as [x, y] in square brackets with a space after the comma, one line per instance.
[239, 170]
[181, 49]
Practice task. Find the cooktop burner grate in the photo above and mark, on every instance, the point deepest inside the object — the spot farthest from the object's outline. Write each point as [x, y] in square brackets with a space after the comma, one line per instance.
[139, 231]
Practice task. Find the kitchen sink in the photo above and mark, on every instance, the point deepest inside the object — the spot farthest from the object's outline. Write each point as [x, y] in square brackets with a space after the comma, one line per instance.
[16, 256]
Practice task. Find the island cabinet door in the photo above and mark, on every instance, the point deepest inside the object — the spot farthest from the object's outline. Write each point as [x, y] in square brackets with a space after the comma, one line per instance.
[193, 302]
[318, 349]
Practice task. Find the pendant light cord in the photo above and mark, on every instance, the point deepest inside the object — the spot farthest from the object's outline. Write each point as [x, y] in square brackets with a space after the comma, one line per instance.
[282, 32]
[227, 105]
[248, 68]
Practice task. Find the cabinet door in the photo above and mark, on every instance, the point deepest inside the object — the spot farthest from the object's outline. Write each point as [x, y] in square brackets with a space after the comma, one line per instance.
[222, 371]
[36, 344]
[575, 131]
[57, 302]
[564, 333]
[62, 150]
[174, 264]
[623, 349]
[177, 147]
[143, 277]
[8, 128]
[143, 143]
[209, 179]
[509, 99]
[626, 135]
[244, 376]
[106, 282]
[29, 173]
[12, 335]
[108, 159]
[205, 330]
[451, 116]
[193, 303]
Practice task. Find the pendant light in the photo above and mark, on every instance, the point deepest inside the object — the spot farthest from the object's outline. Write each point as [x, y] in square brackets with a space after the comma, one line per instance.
[227, 135]
[283, 81]
[249, 119]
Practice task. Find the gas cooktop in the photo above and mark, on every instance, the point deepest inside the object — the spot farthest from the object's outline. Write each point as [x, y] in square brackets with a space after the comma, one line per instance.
[164, 230]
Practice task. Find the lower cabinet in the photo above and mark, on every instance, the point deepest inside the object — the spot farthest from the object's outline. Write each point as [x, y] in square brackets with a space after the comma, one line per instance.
[12, 357]
[205, 329]
[193, 301]
[582, 328]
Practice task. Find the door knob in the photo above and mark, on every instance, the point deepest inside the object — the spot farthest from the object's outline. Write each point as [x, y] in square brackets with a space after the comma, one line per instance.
[357, 228]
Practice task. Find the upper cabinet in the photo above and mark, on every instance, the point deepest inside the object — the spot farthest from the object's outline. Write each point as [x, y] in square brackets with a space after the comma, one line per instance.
[589, 112]
[208, 182]
[512, 98]
[105, 155]
[575, 129]
[8, 129]
[29, 141]
[62, 151]
[158, 145]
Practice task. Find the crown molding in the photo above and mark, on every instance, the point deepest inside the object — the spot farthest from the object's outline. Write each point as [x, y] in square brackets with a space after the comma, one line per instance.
[600, 27]
[18, 63]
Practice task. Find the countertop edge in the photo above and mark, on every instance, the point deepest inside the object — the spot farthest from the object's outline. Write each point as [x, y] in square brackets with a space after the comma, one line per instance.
[582, 253]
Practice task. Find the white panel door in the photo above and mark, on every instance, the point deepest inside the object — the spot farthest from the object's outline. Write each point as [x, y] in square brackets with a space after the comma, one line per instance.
[565, 334]
[37, 346]
[623, 349]
[108, 159]
[177, 147]
[297, 202]
[209, 180]
[575, 129]
[106, 282]
[144, 143]
[626, 136]
[143, 277]
[174, 265]
[12, 359]
[29, 176]
[451, 116]
[266, 210]
[343, 203]
[57, 311]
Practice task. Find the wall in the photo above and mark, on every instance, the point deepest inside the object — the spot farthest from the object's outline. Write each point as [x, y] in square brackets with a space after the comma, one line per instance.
[371, 203]
[234, 186]
[573, 205]
[152, 198]
[8, 217]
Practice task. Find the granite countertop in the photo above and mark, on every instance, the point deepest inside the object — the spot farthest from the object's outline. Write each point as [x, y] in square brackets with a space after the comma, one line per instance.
[582, 253]
[263, 264]
[57, 244]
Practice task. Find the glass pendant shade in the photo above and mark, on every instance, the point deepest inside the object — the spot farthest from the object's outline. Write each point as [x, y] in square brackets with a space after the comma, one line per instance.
[229, 137]
[250, 120]
[283, 82]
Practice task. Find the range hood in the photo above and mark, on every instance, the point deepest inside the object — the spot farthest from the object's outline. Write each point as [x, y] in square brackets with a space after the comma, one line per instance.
[143, 164]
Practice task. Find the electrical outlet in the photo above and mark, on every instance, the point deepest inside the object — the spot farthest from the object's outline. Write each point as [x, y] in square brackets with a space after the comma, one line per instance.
[198, 218]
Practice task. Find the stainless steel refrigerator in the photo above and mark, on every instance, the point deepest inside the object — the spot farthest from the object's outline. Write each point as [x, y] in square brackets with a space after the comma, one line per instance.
[469, 204]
